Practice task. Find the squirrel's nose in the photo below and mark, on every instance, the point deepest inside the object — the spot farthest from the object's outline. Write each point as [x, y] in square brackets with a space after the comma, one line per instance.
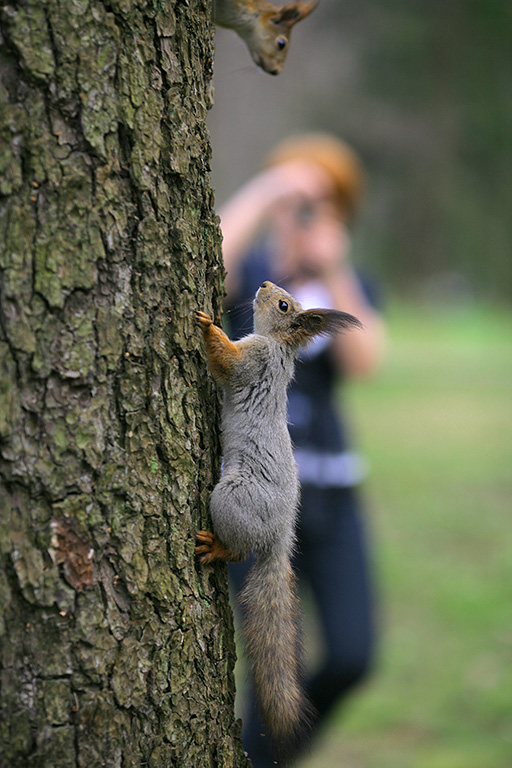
[264, 285]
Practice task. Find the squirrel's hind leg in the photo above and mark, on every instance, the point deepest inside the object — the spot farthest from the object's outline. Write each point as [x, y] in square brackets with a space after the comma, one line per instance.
[210, 547]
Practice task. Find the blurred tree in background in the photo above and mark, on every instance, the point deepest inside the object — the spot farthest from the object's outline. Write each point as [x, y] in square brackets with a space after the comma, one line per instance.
[423, 91]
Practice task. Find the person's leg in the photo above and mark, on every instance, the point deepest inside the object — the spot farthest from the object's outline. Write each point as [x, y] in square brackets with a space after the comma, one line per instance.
[336, 565]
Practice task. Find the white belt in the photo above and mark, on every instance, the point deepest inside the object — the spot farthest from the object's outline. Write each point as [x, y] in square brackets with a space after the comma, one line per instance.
[331, 470]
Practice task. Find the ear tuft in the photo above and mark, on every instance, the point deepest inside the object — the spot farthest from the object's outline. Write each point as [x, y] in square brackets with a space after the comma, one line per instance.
[289, 15]
[321, 322]
[336, 321]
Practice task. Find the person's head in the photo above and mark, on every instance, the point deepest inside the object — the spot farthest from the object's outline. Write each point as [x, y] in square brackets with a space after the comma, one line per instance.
[312, 226]
[341, 165]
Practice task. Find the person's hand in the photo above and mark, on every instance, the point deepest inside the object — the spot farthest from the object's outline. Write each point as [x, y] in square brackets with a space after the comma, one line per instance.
[313, 238]
[293, 182]
[323, 250]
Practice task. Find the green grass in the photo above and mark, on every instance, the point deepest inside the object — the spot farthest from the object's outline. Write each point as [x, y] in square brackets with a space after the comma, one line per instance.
[436, 426]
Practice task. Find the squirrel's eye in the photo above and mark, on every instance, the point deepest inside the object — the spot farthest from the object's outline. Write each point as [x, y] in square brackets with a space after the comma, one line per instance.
[281, 43]
[283, 306]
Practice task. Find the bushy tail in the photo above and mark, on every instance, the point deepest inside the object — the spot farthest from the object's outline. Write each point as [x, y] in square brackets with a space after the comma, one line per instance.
[272, 636]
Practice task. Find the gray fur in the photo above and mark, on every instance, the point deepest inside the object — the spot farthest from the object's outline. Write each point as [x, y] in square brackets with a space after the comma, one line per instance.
[254, 505]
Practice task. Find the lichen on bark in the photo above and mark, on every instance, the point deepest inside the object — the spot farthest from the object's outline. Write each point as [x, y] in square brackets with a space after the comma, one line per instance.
[116, 647]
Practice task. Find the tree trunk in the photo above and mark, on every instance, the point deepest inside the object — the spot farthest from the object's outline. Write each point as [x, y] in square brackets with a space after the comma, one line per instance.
[116, 647]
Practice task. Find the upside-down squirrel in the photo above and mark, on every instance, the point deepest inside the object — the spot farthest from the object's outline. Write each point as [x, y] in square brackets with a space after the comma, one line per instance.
[265, 28]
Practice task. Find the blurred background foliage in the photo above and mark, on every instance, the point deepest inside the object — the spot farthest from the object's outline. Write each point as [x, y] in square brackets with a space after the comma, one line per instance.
[436, 428]
[423, 90]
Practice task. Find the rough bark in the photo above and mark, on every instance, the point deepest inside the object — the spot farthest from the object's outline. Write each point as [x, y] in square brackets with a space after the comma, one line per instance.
[116, 648]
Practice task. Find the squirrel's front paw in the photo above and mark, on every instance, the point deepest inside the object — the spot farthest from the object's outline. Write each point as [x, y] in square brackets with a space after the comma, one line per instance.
[203, 319]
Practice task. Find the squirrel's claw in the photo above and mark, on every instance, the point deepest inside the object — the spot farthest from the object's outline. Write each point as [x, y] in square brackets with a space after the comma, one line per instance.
[203, 319]
[205, 545]
[206, 537]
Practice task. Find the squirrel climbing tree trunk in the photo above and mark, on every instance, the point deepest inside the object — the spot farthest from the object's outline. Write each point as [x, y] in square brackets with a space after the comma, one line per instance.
[116, 650]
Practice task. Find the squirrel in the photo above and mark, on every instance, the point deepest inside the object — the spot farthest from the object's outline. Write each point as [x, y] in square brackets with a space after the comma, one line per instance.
[254, 505]
[264, 27]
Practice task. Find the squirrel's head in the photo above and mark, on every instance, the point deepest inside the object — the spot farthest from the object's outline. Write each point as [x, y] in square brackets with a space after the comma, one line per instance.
[280, 316]
[274, 311]
[268, 39]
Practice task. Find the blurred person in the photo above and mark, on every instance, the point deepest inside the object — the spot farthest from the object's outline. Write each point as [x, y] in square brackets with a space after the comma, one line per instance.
[291, 224]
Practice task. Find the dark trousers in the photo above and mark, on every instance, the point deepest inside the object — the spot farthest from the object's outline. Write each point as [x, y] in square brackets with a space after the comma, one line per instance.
[331, 557]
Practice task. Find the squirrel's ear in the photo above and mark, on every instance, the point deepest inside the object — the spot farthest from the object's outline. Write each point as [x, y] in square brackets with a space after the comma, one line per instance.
[316, 322]
[289, 15]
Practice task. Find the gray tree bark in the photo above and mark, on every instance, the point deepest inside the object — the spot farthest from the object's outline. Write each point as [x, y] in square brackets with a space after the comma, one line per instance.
[116, 648]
